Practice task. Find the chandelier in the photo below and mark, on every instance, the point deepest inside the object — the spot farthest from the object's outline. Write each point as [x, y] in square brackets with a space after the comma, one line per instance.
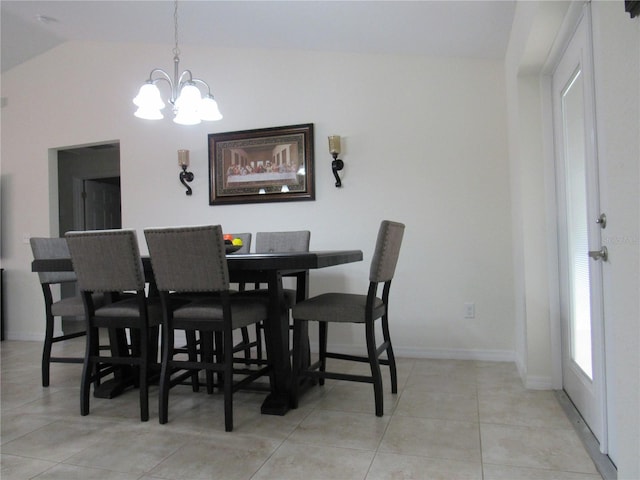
[189, 107]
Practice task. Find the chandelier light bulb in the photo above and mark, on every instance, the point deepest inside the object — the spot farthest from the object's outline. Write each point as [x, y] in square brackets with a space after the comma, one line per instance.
[149, 97]
[149, 113]
[185, 116]
[209, 109]
[189, 98]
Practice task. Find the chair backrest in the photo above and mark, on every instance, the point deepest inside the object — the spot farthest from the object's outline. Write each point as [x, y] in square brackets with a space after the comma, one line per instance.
[43, 248]
[280, 242]
[385, 256]
[188, 259]
[106, 260]
[246, 242]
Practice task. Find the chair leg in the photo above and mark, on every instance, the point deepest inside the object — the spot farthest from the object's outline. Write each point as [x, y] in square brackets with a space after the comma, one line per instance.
[390, 356]
[144, 371]
[192, 352]
[259, 340]
[152, 342]
[228, 381]
[308, 349]
[219, 355]
[207, 349]
[91, 350]
[322, 334]
[296, 363]
[134, 351]
[46, 351]
[244, 331]
[165, 373]
[375, 368]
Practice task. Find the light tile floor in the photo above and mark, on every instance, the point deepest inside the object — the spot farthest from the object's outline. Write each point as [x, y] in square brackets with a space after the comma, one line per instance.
[450, 420]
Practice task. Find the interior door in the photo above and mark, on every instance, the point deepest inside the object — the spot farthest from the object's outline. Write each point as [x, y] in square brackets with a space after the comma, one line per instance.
[101, 205]
[579, 225]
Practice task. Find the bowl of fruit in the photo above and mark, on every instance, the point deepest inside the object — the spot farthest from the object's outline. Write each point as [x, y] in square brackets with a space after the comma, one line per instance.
[231, 244]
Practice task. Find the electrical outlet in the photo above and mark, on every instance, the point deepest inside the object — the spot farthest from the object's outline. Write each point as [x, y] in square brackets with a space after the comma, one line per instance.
[469, 310]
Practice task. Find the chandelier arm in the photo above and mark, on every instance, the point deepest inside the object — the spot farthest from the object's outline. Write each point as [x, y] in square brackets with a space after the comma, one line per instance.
[160, 71]
[198, 80]
[164, 76]
[180, 81]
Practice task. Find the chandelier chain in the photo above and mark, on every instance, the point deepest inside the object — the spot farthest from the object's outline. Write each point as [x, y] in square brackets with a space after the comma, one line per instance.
[189, 106]
[176, 50]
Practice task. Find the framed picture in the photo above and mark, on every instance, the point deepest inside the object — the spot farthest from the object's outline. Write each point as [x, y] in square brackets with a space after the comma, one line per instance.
[263, 165]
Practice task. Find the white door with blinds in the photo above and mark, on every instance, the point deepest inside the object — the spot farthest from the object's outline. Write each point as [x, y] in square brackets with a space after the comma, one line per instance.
[580, 223]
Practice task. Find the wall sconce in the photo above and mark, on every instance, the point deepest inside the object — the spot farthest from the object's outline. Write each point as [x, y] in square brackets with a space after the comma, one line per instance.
[337, 164]
[183, 161]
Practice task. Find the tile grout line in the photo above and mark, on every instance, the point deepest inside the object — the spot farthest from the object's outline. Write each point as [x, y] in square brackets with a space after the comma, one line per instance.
[479, 424]
[391, 416]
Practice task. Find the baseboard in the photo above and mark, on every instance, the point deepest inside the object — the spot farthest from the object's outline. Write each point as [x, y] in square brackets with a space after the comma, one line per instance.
[435, 353]
[25, 336]
[534, 382]
[522, 371]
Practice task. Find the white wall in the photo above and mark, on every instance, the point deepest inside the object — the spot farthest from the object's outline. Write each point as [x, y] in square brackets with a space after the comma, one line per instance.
[424, 143]
[617, 82]
[532, 34]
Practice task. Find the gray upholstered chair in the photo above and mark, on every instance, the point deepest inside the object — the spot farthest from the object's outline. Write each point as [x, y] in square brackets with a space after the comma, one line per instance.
[44, 248]
[353, 308]
[278, 242]
[246, 343]
[109, 261]
[246, 242]
[192, 259]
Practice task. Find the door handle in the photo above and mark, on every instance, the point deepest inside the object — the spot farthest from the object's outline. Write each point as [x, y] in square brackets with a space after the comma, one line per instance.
[602, 221]
[602, 254]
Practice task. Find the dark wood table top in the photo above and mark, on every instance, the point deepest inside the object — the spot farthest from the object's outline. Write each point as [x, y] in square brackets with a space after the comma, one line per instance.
[241, 261]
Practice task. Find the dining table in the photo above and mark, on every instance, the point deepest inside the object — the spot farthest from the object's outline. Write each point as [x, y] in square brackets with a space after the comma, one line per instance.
[269, 269]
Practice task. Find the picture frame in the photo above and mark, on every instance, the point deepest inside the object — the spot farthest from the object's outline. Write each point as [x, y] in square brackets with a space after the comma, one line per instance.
[262, 165]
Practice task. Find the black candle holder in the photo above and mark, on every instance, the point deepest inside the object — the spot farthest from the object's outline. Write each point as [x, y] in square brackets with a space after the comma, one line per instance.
[336, 166]
[186, 177]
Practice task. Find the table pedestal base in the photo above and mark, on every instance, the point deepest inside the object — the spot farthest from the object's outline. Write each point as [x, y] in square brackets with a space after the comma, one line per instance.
[275, 404]
[110, 389]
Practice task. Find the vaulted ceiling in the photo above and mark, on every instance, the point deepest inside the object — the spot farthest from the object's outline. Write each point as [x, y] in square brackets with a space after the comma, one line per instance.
[475, 29]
